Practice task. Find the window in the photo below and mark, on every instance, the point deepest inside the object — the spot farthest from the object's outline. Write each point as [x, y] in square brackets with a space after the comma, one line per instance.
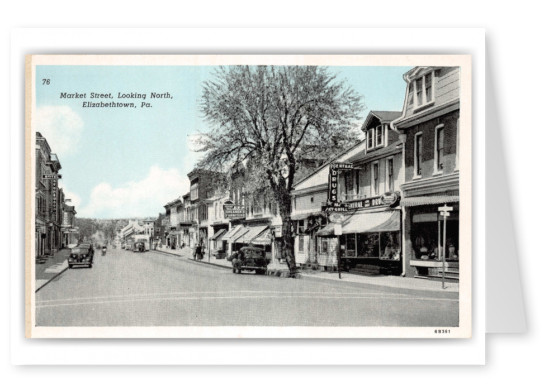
[390, 173]
[324, 245]
[424, 89]
[418, 153]
[376, 178]
[370, 139]
[379, 135]
[301, 244]
[457, 146]
[357, 180]
[439, 148]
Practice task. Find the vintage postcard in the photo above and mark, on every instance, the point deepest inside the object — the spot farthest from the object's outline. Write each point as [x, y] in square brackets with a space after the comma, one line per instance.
[243, 196]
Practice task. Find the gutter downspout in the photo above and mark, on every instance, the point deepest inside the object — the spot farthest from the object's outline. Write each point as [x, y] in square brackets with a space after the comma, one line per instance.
[403, 137]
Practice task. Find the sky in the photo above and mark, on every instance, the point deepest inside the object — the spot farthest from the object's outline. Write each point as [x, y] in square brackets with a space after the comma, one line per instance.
[129, 162]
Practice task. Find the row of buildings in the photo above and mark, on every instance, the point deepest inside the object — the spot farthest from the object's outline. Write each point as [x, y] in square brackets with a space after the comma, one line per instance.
[389, 188]
[54, 218]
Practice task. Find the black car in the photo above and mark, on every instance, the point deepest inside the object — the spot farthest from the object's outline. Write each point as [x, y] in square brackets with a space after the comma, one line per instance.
[249, 258]
[81, 255]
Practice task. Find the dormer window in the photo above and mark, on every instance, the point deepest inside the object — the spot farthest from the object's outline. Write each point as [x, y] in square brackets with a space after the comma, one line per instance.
[370, 139]
[379, 135]
[423, 88]
[376, 137]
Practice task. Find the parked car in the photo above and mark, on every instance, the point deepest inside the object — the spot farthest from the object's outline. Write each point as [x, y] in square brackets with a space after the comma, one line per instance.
[249, 258]
[81, 255]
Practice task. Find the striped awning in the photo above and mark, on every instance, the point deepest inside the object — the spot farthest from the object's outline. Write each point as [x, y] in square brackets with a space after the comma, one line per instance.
[218, 234]
[429, 200]
[363, 222]
[252, 233]
[264, 238]
[372, 222]
[229, 236]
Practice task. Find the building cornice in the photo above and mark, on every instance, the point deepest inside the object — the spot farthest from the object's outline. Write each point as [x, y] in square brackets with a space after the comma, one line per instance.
[426, 115]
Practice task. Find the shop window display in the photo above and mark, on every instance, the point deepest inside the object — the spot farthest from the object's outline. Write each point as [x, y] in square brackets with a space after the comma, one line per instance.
[368, 245]
[427, 234]
[390, 245]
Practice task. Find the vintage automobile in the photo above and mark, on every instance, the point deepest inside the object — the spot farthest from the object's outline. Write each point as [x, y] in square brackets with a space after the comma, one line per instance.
[249, 258]
[81, 255]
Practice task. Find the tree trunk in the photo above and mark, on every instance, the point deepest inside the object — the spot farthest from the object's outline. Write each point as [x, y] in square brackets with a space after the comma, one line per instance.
[283, 197]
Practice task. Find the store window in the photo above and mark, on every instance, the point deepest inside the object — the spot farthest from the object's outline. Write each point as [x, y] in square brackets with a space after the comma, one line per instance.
[427, 235]
[390, 245]
[368, 245]
[324, 245]
[350, 243]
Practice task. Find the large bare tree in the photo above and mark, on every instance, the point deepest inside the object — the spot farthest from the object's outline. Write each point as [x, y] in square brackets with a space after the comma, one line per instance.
[276, 117]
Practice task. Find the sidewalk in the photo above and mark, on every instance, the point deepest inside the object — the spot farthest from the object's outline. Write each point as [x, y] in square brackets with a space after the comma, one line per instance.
[186, 252]
[54, 266]
[386, 281]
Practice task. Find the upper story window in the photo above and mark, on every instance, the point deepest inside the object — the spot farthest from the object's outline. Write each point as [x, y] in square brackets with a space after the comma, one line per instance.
[423, 88]
[376, 137]
[418, 153]
[379, 135]
[439, 148]
[376, 178]
[370, 139]
[194, 192]
[457, 146]
[390, 173]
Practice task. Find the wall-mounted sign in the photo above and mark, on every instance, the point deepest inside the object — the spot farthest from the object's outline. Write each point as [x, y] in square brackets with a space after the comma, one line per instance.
[49, 176]
[278, 231]
[341, 166]
[234, 212]
[391, 198]
[333, 183]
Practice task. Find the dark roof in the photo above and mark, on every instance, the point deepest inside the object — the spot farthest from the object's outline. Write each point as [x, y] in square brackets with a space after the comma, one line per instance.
[373, 154]
[383, 116]
[387, 116]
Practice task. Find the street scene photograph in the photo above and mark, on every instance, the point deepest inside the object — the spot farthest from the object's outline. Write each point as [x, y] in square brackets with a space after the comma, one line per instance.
[232, 196]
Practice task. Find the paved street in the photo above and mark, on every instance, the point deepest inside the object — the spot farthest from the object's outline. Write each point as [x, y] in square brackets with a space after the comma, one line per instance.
[155, 289]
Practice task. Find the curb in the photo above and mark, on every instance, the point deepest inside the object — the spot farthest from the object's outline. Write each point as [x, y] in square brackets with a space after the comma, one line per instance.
[51, 279]
[166, 252]
[363, 284]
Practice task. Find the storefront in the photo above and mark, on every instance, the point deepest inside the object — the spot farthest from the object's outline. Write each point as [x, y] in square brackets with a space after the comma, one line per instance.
[218, 246]
[424, 232]
[247, 235]
[370, 243]
[229, 237]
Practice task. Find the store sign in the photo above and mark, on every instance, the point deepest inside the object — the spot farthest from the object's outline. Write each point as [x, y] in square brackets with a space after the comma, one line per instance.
[234, 212]
[334, 169]
[335, 207]
[54, 198]
[390, 198]
[49, 176]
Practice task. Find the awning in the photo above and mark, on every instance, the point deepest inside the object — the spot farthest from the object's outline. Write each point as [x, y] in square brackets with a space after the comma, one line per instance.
[429, 200]
[302, 216]
[328, 230]
[264, 238]
[366, 222]
[218, 234]
[252, 233]
[229, 235]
